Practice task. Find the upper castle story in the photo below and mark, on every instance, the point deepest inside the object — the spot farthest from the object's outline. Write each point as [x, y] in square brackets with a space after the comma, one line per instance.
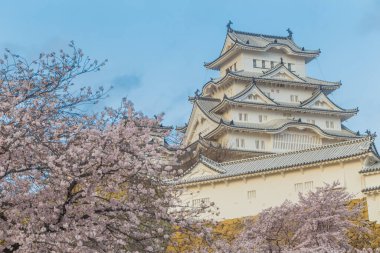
[255, 53]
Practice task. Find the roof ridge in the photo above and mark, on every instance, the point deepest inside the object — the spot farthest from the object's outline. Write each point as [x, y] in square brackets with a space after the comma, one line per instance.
[206, 98]
[261, 35]
[301, 150]
[317, 79]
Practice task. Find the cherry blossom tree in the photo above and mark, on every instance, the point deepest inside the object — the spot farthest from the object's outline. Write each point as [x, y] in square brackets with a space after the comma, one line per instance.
[319, 222]
[72, 181]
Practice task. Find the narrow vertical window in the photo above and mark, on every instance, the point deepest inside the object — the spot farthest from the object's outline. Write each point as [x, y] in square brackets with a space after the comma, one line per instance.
[260, 118]
[272, 64]
[290, 66]
[237, 142]
[251, 194]
[245, 117]
[263, 64]
[242, 143]
[298, 187]
[254, 63]
[262, 145]
[240, 117]
[309, 186]
[257, 144]
[235, 66]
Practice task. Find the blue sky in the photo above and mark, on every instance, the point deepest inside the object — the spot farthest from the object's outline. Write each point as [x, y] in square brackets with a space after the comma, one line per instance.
[156, 49]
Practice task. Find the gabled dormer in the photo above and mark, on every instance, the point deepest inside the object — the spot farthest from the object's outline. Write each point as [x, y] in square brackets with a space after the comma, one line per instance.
[320, 101]
[253, 94]
[281, 72]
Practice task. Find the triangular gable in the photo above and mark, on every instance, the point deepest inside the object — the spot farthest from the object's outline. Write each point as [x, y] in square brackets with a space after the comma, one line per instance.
[200, 169]
[253, 94]
[280, 72]
[198, 117]
[321, 101]
[228, 43]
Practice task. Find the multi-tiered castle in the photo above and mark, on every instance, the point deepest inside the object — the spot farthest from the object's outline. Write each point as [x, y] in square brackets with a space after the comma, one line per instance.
[264, 131]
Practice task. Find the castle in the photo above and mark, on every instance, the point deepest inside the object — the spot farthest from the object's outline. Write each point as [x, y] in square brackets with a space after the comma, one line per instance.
[265, 131]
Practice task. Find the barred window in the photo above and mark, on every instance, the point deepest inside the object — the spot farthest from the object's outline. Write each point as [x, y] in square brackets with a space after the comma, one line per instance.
[251, 194]
[199, 202]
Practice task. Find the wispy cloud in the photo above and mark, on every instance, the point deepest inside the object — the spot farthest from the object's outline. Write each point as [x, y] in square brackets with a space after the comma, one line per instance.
[126, 82]
[370, 22]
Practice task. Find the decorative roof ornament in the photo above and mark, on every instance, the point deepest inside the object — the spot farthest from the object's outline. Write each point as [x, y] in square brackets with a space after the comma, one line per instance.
[290, 33]
[197, 93]
[370, 134]
[229, 25]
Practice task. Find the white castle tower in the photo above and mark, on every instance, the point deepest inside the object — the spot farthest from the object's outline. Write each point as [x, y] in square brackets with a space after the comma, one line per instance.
[264, 101]
[272, 130]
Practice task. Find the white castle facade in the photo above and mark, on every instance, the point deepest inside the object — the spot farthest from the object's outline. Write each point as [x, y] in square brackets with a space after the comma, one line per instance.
[275, 129]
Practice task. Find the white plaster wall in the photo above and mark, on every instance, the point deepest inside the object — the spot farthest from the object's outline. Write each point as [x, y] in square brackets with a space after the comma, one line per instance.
[273, 189]
[237, 58]
[299, 65]
[253, 117]
[372, 180]
[285, 92]
[373, 202]
[249, 140]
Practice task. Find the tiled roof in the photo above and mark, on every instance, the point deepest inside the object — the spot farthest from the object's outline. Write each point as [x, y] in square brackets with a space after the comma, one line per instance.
[370, 189]
[274, 162]
[302, 80]
[206, 105]
[262, 41]
[373, 168]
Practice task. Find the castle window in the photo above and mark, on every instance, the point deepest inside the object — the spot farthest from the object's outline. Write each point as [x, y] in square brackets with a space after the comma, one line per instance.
[295, 141]
[243, 116]
[240, 143]
[254, 63]
[259, 145]
[272, 64]
[329, 124]
[252, 97]
[263, 118]
[263, 64]
[309, 186]
[235, 66]
[200, 202]
[294, 98]
[298, 187]
[290, 66]
[251, 194]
